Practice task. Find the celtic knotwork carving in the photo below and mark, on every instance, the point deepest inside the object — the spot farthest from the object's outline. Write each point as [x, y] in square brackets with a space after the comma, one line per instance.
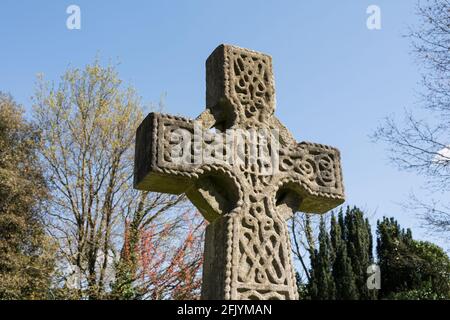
[251, 84]
[254, 294]
[326, 176]
[262, 246]
[258, 155]
[316, 166]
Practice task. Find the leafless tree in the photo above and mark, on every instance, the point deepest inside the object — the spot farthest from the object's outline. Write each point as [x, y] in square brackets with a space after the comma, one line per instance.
[422, 145]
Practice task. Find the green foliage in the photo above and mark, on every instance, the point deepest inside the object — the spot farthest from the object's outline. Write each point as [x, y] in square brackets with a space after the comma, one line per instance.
[26, 253]
[410, 269]
[322, 286]
[342, 268]
[425, 293]
[338, 268]
[358, 239]
[302, 288]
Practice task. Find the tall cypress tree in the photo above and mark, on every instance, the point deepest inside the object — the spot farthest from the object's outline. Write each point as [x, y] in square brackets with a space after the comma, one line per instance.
[389, 239]
[359, 248]
[371, 294]
[314, 276]
[348, 246]
[322, 284]
[343, 275]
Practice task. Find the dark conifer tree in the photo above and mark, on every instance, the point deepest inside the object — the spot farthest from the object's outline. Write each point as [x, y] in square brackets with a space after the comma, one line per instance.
[322, 284]
[359, 248]
[342, 272]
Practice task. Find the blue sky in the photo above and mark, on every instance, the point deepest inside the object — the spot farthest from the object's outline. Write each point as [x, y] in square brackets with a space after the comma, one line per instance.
[335, 79]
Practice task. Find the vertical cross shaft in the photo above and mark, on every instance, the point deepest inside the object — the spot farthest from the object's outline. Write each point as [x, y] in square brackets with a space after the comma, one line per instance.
[248, 199]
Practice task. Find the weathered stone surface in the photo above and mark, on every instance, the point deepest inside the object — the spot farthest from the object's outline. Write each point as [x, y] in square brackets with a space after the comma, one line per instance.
[247, 248]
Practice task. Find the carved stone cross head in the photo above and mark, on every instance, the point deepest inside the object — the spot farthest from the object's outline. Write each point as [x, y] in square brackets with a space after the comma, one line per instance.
[244, 172]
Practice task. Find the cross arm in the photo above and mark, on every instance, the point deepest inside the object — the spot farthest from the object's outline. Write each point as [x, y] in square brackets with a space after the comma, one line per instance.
[314, 172]
[158, 138]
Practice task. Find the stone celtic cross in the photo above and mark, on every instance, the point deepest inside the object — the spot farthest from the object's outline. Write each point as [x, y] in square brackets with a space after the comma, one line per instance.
[250, 190]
